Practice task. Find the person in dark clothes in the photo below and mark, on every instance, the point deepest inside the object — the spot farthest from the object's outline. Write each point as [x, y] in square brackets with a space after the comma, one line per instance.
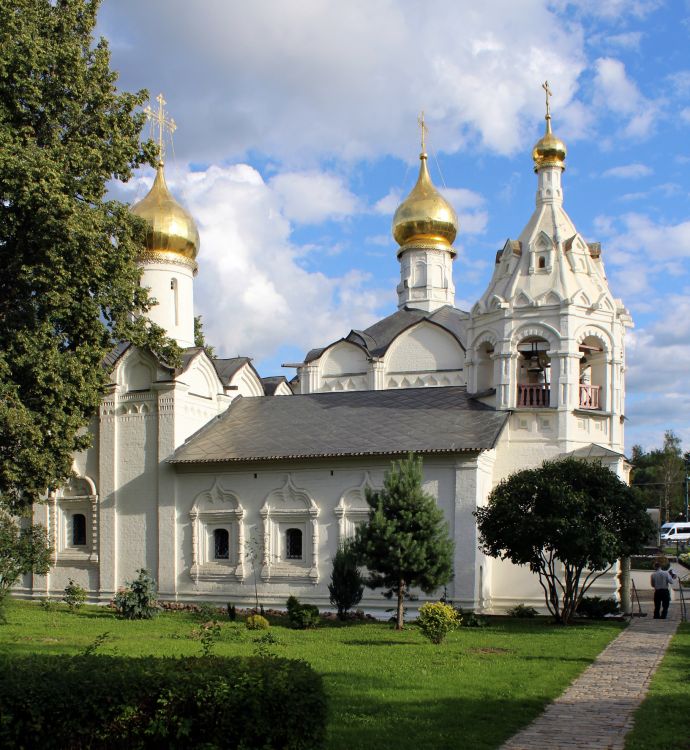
[661, 580]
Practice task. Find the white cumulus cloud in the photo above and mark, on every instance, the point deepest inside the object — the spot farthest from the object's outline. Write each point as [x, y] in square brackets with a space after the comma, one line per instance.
[312, 197]
[628, 171]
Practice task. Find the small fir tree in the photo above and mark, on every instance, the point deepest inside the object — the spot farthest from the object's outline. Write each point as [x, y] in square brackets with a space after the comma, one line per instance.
[406, 541]
[347, 584]
[138, 601]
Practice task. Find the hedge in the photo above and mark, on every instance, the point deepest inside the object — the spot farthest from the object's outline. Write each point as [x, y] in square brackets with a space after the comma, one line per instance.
[112, 702]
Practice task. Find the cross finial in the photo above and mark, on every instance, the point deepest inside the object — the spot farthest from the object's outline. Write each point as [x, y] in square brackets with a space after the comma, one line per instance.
[424, 128]
[163, 122]
[549, 93]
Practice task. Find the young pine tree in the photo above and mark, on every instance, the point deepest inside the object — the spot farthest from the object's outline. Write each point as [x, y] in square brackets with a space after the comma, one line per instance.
[406, 542]
[347, 585]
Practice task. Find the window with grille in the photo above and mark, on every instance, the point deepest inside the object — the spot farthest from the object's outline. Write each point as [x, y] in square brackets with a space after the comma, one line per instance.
[293, 544]
[221, 544]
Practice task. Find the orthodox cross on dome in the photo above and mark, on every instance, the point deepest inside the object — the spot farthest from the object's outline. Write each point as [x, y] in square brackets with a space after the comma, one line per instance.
[424, 128]
[161, 119]
[549, 93]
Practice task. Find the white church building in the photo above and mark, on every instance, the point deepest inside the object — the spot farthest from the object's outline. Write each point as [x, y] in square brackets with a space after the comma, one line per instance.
[212, 477]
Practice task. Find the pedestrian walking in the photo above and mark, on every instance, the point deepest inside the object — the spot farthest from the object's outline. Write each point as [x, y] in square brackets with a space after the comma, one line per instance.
[661, 580]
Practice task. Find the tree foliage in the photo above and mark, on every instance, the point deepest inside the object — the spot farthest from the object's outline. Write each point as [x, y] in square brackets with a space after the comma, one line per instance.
[569, 520]
[70, 282]
[406, 543]
[659, 476]
[22, 550]
[347, 584]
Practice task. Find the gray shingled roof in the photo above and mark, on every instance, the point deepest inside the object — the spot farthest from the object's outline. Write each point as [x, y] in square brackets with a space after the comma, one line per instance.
[228, 367]
[355, 423]
[377, 338]
[272, 382]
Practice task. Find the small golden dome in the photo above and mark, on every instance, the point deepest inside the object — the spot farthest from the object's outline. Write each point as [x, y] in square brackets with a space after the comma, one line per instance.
[172, 229]
[549, 150]
[425, 215]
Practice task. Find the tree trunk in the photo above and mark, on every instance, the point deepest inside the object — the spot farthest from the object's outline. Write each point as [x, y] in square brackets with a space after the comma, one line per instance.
[401, 610]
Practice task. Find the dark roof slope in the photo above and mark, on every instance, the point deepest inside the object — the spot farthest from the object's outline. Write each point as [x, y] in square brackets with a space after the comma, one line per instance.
[377, 338]
[355, 423]
[272, 382]
[227, 368]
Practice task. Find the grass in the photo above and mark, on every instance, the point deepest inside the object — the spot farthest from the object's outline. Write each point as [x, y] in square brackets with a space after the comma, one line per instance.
[386, 689]
[660, 722]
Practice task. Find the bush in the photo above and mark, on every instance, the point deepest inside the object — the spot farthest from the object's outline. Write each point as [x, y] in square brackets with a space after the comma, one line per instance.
[597, 608]
[138, 600]
[347, 585]
[684, 559]
[114, 702]
[75, 595]
[470, 619]
[256, 622]
[522, 610]
[206, 611]
[302, 616]
[436, 620]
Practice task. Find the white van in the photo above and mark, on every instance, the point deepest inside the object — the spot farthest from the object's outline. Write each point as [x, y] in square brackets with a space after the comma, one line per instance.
[675, 532]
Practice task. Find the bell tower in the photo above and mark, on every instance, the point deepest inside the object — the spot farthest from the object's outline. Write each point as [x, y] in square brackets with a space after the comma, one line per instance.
[546, 339]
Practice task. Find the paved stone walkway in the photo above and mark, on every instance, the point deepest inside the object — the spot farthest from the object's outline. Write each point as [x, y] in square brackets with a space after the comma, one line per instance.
[596, 711]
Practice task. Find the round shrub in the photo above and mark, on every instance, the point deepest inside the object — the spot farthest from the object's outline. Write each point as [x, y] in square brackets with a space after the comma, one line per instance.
[75, 595]
[436, 620]
[522, 610]
[256, 622]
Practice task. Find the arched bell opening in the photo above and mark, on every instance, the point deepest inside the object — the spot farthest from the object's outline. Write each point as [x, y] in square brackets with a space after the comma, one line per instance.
[593, 370]
[485, 367]
[534, 373]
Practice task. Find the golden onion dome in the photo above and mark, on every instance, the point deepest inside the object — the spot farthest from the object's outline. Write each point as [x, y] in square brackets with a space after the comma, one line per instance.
[425, 215]
[549, 150]
[172, 232]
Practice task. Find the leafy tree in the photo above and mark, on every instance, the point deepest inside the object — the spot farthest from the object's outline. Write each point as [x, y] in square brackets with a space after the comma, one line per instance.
[405, 543]
[69, 283]
[570, 521]
[22, 550]
[660, 476]
[347, 584]
[200, 338]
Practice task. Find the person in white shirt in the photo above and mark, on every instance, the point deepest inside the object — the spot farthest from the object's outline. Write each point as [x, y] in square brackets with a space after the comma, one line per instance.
[661, 580]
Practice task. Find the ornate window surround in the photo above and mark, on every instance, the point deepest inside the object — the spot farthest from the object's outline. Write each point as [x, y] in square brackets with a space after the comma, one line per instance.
[212, 509]
[77, 496]
[284, 508]
[352, 508]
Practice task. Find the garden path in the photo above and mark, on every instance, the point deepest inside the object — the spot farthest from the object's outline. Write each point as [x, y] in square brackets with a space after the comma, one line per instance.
[596, 711]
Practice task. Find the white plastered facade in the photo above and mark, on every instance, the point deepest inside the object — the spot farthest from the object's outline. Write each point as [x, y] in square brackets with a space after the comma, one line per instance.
[213, 532]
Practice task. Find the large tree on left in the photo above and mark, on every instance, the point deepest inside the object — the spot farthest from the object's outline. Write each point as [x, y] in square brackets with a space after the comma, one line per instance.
[69, 283]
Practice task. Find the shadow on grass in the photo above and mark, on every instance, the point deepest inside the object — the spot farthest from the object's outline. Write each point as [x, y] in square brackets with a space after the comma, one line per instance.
[376, 643]
[371, 713]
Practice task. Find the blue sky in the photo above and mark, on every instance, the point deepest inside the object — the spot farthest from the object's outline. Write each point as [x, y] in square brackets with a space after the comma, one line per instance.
[297, 137]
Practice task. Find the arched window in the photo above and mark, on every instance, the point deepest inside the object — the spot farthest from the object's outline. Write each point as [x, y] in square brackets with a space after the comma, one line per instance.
[293, 544]
[221, 544]
[79, 530]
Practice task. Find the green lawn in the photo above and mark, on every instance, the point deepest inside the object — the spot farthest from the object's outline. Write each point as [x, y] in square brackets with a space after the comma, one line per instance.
[660, 721]
[386, 689]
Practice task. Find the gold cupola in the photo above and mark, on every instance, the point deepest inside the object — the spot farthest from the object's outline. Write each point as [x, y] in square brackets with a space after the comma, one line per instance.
[172, 232]
[549, 150]
[425, 216]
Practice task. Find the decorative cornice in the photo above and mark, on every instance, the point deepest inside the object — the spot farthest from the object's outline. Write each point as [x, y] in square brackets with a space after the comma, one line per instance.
[168, 257]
